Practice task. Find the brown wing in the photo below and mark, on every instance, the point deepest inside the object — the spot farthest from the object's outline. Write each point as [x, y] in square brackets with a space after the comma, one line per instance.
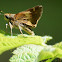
[30, 17]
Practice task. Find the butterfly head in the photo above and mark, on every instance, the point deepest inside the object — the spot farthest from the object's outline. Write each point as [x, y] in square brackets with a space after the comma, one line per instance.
[8, 16]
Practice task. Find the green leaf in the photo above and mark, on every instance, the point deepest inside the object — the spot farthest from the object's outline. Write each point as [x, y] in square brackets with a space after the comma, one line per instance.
[36, 53]
[50, 52]
[46, 38]
[46, 53]
[58, 50]
[58, 53]
[26, 53]
[58, 45]
[10, 42]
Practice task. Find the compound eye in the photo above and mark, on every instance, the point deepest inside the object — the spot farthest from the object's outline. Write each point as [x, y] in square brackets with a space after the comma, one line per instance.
[7, 17]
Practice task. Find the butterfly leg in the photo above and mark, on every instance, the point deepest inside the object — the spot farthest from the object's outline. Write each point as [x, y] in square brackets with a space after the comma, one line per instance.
[6, 27]
[11, 28]
[28, 30]
[20, 29]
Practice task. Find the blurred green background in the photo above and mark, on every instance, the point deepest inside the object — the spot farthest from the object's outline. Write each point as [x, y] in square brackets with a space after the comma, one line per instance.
[49, 24]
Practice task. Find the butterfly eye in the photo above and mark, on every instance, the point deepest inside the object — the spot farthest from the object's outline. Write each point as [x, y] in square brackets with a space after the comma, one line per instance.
[7, 17]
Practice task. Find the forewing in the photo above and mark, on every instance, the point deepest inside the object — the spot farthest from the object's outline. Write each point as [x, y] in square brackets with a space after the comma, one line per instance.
[30, 17]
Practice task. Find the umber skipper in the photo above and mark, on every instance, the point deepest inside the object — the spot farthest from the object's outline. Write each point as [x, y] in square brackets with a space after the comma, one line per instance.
[25, 20]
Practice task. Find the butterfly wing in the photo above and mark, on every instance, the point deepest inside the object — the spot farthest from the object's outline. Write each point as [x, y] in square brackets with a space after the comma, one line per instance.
[30, 17]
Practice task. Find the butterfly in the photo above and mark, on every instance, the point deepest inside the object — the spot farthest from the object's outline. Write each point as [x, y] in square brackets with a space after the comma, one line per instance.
[25, 20]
